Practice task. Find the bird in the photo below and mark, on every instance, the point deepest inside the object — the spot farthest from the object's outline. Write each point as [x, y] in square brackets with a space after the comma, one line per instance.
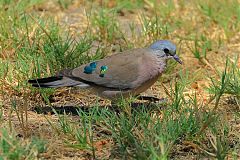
[120, 75]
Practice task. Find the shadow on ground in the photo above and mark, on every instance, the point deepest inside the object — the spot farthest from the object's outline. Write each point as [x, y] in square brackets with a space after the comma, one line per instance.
[73, 110]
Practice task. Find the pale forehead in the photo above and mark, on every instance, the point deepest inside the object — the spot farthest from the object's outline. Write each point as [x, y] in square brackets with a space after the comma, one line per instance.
[162, 44]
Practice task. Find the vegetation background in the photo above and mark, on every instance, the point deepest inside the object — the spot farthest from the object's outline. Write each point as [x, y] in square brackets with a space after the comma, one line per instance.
[200, 119]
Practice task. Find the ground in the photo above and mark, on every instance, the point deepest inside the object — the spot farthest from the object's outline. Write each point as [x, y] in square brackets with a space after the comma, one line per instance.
[199, 120]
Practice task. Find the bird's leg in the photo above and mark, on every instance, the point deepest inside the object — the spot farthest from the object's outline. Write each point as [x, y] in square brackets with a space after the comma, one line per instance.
[114, 103]
[119, 105]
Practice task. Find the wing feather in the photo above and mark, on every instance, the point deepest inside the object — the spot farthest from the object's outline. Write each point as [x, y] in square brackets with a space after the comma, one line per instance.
[125, 71]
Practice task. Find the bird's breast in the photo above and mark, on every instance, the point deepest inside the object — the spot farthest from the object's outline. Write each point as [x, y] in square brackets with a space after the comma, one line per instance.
[151, 75]
[147, 84]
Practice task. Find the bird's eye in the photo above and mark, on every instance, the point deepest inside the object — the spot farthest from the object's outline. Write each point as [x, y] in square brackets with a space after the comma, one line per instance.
[166, 50]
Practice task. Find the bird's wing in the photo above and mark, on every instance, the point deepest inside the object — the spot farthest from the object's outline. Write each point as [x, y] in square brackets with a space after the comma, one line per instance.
[125, 70]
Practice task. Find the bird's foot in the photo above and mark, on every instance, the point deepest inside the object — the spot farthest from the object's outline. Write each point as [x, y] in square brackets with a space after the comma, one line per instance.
[152, 99]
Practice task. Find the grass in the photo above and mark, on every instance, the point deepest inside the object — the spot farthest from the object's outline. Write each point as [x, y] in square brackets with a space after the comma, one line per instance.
[200, 118]
[230, 18]
[12, 148]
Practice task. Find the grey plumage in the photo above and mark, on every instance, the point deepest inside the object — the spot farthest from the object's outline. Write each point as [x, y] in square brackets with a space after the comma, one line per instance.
[120, 75]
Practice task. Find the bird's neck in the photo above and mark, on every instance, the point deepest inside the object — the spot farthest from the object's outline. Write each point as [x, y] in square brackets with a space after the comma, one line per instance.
[161, 64]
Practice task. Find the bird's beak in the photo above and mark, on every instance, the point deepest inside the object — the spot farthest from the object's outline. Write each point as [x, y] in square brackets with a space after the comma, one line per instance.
[177, 59]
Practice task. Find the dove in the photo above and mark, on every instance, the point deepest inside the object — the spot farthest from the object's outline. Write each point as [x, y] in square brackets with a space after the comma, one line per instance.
[120, 75]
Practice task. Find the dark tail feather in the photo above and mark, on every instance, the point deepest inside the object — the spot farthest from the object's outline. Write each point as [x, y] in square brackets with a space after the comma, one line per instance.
[45, 80]
[54, 82]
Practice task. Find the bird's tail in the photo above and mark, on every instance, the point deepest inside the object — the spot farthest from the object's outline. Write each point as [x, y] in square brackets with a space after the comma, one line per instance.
[55, 82]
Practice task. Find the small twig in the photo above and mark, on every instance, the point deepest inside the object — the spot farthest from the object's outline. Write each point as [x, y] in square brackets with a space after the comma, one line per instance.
[167, 92]
[198, 148]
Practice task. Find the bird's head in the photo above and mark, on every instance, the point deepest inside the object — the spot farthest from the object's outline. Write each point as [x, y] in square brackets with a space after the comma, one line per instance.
[165, 49]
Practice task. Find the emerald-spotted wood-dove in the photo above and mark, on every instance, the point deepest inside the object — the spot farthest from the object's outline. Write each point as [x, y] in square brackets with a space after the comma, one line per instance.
[121, 75]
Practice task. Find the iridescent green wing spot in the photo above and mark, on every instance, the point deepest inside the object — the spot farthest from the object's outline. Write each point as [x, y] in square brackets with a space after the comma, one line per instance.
[103, 70]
